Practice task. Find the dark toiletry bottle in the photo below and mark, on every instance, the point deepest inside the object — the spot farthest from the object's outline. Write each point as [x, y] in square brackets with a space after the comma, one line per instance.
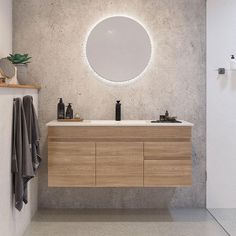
[69, 111]
[166, 115]
[118, 110]
[60, 109]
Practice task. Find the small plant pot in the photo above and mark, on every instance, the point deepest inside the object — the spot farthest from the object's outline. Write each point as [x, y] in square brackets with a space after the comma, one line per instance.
[22, 73]
[2, 80]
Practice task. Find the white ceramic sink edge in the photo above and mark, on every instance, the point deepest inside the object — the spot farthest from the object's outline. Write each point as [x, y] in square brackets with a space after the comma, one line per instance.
[116, 123]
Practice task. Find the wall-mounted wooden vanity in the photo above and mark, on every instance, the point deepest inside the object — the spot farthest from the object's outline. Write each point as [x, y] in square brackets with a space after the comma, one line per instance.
[119, 154]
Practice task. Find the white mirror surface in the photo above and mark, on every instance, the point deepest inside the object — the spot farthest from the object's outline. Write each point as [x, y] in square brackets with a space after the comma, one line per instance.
[118, 49]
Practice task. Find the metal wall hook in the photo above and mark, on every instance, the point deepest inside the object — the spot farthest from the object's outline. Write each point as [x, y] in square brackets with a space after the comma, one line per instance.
[221, 71]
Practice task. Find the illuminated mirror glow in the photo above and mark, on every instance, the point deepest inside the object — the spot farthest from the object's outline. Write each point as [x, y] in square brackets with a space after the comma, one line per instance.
[118, 49]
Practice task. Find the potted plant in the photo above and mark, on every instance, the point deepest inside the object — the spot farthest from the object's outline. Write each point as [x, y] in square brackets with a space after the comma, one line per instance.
[20, 61]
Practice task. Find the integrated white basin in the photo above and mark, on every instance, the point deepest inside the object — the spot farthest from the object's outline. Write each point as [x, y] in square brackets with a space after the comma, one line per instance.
[115, 123]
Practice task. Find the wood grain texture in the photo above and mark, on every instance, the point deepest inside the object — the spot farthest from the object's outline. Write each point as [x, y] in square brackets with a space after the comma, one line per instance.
[140, 133]
[24, 86]
[119, 156]
[167, 173]
[124, 139]
[70, 120]
[119, 164]
[71, 164]
[167, 150]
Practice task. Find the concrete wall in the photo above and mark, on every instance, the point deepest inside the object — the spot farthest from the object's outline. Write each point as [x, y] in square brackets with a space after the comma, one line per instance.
[221, 103]
[12, 222]
[5, 27]
[54, 33]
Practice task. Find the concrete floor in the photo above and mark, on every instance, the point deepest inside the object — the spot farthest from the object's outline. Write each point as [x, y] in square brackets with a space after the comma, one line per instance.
[227, 218]
[172, 222]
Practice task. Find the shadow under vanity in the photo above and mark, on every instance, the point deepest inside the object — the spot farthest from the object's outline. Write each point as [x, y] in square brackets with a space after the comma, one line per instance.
[128, 153]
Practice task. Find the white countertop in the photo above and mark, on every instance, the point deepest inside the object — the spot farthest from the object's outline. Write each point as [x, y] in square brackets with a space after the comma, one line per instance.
[116, 123]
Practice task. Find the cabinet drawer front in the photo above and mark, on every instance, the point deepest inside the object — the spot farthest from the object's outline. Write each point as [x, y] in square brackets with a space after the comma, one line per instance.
[119, 148]
[71, 181]
[71, 148]
[71, 164]
[167, 150]
[128, 133]
[119, 164]
[167, 173]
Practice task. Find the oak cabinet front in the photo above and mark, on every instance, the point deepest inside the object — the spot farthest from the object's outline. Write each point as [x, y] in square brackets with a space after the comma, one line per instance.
[71, 164]
[119, 164]
[167, 173]
[167, 164]
[152, 156]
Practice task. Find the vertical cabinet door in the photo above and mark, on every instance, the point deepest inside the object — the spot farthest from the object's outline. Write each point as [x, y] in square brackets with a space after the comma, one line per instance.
[71, 164]
[167, 164]
[119, 164]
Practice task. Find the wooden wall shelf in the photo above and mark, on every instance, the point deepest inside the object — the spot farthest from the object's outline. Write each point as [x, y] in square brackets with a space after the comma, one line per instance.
[21, 86]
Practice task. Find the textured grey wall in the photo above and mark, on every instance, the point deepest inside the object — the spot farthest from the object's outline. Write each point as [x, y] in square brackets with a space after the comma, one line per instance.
[54, 33]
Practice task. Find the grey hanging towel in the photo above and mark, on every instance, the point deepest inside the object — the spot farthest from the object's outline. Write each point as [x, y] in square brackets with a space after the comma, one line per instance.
[22, 167]
[33, 130]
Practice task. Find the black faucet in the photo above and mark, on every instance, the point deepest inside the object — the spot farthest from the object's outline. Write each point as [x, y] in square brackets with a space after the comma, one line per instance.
[118, 110]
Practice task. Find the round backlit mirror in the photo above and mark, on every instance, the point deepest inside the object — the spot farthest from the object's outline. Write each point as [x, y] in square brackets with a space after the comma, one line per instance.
[118, 49]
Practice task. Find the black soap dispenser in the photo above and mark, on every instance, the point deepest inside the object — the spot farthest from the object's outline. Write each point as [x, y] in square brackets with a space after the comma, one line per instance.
[60, 109]
[69, 111]
[118, 111]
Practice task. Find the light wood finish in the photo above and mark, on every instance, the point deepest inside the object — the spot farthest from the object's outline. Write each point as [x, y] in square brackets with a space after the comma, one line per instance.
[109, 156]
[21, 86]
[167, 150]
[70, 120]
[71, 164]
[119, 164]
[84, 139]
[141, 133]
[167, 173]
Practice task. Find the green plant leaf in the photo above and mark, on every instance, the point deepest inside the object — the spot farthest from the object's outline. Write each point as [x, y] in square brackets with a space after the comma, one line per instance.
[19, 58]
